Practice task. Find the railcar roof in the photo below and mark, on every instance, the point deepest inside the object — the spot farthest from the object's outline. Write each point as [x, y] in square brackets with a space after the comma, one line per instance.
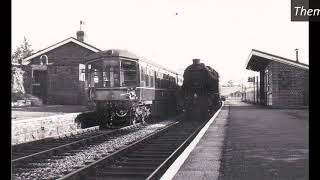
[125, 54]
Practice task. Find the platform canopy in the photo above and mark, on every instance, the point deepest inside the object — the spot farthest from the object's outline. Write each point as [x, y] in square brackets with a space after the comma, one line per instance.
[259, 60]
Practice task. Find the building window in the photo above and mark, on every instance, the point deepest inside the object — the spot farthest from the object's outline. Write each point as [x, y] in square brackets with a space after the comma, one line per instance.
[82, 72]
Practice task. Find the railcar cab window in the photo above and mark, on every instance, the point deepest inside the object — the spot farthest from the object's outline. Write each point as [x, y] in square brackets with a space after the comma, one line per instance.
[111, 73]
[128, 76]
[93, 75]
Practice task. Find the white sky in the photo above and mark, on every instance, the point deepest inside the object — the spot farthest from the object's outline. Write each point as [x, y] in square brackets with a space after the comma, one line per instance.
[219, 32]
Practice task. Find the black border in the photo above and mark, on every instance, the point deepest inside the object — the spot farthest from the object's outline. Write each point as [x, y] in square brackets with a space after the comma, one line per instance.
[6, 89]
[314, 51]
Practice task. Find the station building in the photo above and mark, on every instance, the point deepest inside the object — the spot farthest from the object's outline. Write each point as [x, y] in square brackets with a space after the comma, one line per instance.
[282, 83]
[57, 72]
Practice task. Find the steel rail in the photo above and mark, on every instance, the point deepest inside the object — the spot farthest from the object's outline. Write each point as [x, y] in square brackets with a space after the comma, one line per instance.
[65, 146]
[84, 170]
[157, 173]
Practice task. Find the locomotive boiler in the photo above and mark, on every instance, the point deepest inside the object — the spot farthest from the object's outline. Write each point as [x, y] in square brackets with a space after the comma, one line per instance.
[125, 88]
[199, 95]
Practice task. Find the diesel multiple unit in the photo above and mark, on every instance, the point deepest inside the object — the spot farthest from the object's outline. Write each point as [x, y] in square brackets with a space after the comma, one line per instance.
[125, 88]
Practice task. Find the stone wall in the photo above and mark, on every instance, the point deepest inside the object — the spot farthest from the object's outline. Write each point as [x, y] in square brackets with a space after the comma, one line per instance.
[39, 128]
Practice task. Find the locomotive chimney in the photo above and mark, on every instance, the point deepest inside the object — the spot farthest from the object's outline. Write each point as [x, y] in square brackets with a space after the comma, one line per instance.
[196, 61]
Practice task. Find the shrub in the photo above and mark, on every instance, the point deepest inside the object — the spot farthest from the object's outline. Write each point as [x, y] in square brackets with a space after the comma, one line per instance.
[17, 96]
[35, 101]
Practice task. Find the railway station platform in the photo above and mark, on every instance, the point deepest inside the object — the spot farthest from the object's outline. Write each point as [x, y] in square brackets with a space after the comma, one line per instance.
[22, 113]
[249, 142]
[36, 123]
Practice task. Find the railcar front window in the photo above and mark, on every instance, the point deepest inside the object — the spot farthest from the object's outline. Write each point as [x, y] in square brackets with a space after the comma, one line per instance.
[111, 73]
[93, 71]
[128, 74]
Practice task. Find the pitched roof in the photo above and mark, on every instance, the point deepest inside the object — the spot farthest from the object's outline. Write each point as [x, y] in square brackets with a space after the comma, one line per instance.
[71, 39]
[258, 60]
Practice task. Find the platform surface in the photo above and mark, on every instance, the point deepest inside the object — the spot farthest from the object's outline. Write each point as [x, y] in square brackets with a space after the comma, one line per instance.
[23, 113]
[258, 143]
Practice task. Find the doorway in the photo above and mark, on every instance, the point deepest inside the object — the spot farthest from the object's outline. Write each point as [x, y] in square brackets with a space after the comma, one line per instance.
[39, 85]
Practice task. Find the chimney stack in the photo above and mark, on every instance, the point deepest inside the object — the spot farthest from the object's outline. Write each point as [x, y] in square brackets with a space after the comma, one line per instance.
[297, 54]
[196, 61]
[80, 35]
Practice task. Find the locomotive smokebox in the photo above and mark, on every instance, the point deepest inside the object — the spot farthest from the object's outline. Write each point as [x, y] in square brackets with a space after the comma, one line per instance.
[196, 61]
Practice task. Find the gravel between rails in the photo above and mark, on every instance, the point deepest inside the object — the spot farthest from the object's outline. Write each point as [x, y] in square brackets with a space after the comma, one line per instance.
[54, 168]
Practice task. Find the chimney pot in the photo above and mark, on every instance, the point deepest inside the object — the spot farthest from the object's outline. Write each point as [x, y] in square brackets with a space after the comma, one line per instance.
[80, 36]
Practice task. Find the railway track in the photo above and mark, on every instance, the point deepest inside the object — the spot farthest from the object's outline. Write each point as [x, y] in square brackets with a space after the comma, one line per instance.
[147, 158]
[21, 151]
[31, 151]
[34, 166]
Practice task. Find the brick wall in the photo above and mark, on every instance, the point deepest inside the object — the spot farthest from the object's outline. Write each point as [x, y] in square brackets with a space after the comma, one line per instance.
[290, 85]
[64, 86]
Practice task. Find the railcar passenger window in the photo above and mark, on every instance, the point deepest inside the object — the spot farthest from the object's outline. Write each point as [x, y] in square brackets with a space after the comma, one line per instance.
[151, 81]
[147, 80]
[142, 74]
[157, 82]
[151, 73]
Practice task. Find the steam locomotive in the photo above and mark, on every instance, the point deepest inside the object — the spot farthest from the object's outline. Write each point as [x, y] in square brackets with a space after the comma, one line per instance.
[126, 89]
[199, 96]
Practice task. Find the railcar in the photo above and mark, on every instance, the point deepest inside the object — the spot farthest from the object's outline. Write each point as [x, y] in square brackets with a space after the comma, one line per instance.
[199, 95]
[125, 88]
